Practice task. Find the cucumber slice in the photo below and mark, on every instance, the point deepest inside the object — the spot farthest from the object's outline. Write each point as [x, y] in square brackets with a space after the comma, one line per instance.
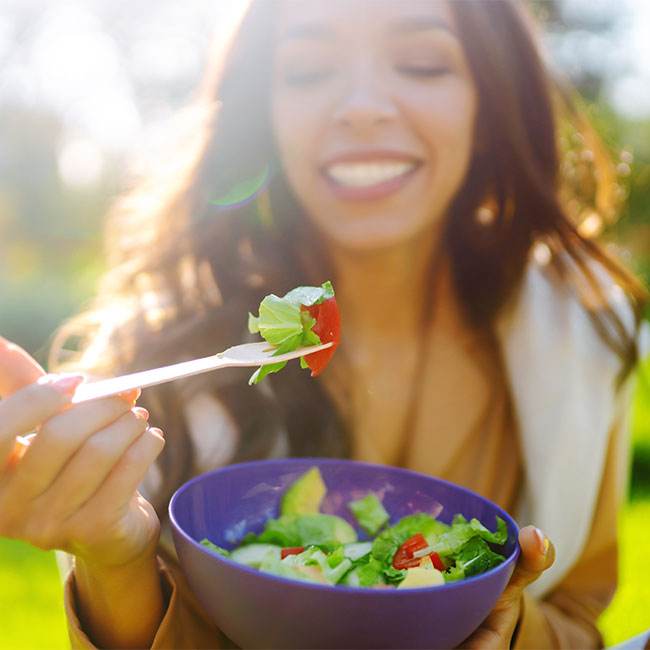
[356, 550]
[253, 554]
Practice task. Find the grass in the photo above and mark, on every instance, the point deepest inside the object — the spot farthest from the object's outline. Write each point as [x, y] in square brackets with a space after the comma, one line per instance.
[31, 610]
[629, 612]
[31, 606]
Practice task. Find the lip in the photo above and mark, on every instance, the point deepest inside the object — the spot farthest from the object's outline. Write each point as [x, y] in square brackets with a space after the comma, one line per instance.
[373, 192]
[367, 155]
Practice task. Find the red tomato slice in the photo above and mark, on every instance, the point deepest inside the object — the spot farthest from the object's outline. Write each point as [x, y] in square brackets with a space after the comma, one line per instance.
[327, 328]
[403, 558]
[437, 562]
[291, 550]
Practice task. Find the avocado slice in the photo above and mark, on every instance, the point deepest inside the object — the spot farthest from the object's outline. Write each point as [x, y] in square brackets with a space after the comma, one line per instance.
[305, 494]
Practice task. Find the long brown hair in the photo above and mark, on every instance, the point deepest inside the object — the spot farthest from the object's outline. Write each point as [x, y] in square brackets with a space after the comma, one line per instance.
[186, 264]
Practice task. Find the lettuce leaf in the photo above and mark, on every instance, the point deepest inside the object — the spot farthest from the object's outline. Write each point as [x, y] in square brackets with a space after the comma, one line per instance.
[476, 557]
[274, 565]
[370, 513]
[462, 531]
[301, 530]
[283, 324]
[279, 323]
[310, 295]
[333, 569]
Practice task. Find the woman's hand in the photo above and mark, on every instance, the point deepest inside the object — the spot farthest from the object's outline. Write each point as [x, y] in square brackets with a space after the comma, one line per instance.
[74, 486]
[496, 631]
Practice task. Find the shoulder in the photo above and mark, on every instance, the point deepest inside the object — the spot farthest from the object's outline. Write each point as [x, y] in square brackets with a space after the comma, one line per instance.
[562, 379]
[549, 314]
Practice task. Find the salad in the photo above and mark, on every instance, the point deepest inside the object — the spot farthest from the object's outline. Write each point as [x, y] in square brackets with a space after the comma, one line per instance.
[304, 316]
[417, 551]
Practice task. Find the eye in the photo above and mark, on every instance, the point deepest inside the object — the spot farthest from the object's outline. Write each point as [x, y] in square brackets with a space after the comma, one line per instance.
[424, 71]
[306, 77]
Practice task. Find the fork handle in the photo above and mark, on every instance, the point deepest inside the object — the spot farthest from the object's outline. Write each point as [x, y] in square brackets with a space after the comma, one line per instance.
[145, 378]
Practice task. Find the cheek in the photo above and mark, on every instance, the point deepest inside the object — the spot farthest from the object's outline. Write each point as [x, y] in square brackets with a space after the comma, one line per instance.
[443, 119]
[294, 130]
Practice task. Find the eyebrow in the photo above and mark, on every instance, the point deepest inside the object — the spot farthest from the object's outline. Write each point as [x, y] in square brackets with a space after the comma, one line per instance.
[307, 30]
[418, 24]
[402, 26]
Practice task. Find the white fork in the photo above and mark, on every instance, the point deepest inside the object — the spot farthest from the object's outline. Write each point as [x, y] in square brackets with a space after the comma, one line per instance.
[247, 354]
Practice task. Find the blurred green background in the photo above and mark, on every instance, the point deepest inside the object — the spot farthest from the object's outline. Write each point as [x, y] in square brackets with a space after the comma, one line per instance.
[86, 87]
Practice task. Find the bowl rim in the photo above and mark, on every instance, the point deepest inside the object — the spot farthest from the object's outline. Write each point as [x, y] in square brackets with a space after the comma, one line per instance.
[510, 559]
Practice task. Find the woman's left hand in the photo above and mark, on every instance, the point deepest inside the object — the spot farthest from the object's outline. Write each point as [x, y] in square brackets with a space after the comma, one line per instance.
[496, 631]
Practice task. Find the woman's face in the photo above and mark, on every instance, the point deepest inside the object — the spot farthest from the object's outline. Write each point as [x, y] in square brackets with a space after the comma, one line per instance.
[373, 110]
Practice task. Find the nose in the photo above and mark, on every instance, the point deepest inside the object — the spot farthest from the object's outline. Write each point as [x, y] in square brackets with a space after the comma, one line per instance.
[365, 103]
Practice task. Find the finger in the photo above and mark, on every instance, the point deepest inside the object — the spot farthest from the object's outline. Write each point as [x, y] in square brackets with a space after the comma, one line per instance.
[59, 439]
[29, 407]
[537, 555]
[131, 396]
[91, 464]
[17, 368]
[122, 482]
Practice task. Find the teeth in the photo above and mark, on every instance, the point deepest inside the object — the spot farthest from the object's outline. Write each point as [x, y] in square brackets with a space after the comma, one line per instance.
[367, 174]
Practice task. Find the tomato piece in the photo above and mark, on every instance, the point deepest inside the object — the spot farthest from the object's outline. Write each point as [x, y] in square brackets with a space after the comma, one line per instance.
[437, 562]
[408, 563]
[403, 558]
[291, 550]
[327, 328]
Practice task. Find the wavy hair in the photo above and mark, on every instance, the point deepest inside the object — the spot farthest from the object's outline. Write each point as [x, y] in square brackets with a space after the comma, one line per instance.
[187, 260]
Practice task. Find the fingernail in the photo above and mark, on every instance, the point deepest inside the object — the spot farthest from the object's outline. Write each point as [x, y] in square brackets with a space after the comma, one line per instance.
[142, 413]
[542, 540]
[65, 383]
[157, 431]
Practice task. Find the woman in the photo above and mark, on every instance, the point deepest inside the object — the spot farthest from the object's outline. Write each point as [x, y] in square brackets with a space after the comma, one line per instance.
[406, 150]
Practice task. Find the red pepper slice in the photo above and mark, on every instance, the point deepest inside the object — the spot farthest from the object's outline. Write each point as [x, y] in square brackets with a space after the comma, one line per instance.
[292, 550]
[327, 328]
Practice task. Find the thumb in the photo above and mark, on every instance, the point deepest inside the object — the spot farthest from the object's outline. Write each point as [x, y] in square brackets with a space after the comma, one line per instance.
[537, 555]
[17, 368]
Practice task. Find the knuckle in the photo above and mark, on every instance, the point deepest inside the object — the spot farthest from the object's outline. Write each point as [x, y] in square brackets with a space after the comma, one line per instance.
[99, 445]
[131, 460]
[43, 393]
[116, 405]
[55, 431]
[41, 532]
[136, 423]
[9, 527]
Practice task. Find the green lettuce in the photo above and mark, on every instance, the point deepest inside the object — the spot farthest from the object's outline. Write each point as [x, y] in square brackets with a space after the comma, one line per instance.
[304, 530]
[332, 568]
[274, 565]
[370, 513]
[282, 324]
[475, 556]
[462, 532]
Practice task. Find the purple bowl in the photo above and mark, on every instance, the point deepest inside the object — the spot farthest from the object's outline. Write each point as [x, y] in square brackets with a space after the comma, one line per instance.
[258, 610]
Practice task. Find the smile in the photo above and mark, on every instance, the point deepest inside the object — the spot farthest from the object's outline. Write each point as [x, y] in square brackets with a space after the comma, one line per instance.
[367, 174]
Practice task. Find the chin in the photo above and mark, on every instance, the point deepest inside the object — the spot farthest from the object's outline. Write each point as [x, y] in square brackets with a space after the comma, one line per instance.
[370, 236]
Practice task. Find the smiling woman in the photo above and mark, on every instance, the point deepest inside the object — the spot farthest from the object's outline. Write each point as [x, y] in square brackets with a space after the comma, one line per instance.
[373, 119]
[406, 149]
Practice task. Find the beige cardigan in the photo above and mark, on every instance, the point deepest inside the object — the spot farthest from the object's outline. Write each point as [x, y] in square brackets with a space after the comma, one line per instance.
[573, 410]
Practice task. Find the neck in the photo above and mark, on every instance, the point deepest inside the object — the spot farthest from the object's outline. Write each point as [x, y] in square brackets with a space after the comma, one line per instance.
[384, 294]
